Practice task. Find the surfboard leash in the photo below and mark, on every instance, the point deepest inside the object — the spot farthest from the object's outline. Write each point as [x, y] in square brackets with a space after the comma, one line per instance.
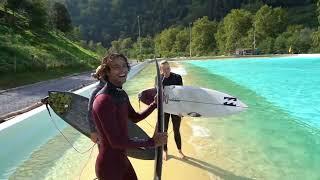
[45, 101]
[87, 163]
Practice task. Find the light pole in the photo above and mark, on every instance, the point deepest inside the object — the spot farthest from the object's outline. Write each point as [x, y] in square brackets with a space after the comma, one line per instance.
[190, 39]
[139, 33]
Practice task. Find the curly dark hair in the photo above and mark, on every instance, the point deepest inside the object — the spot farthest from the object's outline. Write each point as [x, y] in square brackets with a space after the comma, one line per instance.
[99, 74]
[105, 62]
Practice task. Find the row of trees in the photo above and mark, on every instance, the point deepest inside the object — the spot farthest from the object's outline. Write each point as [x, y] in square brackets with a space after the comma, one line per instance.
[108, 20]
[267, 31]
[215, 29]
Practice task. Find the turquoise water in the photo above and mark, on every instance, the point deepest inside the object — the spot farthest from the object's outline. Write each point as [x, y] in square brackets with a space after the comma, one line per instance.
[278, 136]
[34, 149]
[290, 83]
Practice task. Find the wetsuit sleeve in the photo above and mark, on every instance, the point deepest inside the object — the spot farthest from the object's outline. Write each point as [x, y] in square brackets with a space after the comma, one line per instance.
[136, 117]
[106, 117]
[89, 115]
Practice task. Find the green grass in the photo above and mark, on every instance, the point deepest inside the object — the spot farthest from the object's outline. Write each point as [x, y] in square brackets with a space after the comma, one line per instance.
[32, 55]
[31, 50]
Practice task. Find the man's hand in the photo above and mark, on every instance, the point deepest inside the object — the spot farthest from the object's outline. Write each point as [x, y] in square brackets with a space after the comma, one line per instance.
[155, 99]
[160, 138]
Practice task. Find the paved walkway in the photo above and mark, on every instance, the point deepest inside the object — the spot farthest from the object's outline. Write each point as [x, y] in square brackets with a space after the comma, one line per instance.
[18, 100]
[22, 99]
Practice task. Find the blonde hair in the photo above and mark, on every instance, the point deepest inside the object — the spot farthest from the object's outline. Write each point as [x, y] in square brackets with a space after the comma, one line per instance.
[164, 62]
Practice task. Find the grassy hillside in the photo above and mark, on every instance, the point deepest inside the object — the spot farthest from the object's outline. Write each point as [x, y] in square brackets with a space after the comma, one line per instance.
[30, 55]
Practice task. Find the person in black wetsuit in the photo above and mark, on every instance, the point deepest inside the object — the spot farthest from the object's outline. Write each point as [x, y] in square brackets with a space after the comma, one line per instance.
[170, 78]
[111, 111]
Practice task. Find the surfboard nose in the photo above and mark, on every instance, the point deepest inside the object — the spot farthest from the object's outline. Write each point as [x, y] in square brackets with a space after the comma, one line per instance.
[244, 105]
[147, 96]
[45, 100]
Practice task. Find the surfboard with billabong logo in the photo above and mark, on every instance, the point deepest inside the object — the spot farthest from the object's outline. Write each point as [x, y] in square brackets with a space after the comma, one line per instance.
[195, 101]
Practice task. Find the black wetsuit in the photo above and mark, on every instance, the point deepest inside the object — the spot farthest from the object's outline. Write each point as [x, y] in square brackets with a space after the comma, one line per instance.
[173, 79]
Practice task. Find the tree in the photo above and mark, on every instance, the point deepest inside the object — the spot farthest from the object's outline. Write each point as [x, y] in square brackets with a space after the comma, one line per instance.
[266, 46]
[74, 34]
[147, 48]
[114, 19]
[115, 46]
[304, 37]
[269, 22]
[101, 51]
[14, 5]
[233, 31]
[318, 10]
[203, 41]
[286, 3]
[125, 46]
[281, 43]
[297, 38]
[253, 7]
[61, 18]
[37, 13]
[181, 45]
[122, 46]
[316, 42]
[147, 44]
[165, 41]
[316, 35]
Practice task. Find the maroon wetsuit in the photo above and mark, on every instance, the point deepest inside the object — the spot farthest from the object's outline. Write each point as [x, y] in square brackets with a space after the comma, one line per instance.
[111, 111]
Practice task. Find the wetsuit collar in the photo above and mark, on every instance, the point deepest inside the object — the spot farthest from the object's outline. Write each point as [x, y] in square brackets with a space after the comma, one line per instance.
[112, 86]
[103, 81]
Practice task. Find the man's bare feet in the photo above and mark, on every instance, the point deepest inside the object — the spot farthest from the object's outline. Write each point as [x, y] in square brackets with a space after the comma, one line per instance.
[181, 155]
[165, 155]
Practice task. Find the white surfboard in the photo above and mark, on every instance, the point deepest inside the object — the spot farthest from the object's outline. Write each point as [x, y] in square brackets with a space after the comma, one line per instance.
[200, 102]
[195, 101]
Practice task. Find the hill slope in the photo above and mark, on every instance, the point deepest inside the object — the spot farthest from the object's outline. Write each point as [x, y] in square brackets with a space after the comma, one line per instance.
[31, 55]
